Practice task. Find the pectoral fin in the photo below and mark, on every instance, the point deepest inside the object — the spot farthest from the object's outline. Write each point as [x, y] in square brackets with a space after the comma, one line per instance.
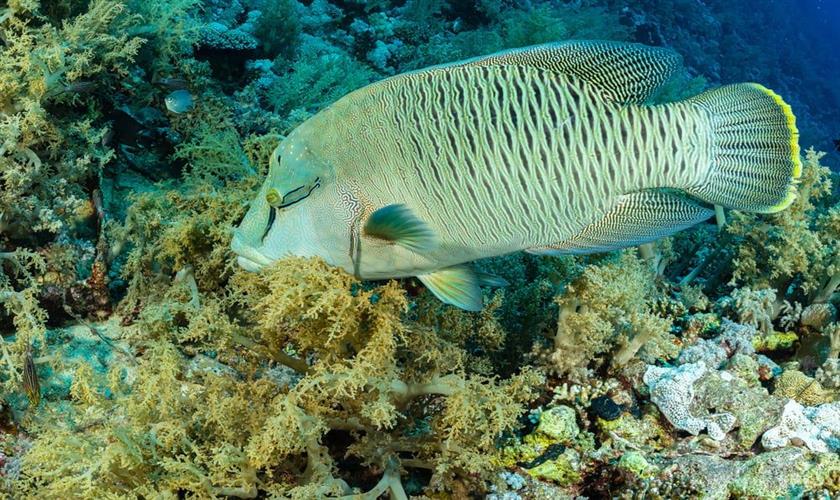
[397, 223]
[456, 285]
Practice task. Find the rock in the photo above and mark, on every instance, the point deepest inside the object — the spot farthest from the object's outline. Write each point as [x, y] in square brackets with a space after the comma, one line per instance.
[708, 352]
[737, 338]
[816, 428]
[767, 368]
[696, 476]
[753, 408]
[746, 368]
[784, 473]
[734, 339]
[559, 423]
[672, 390]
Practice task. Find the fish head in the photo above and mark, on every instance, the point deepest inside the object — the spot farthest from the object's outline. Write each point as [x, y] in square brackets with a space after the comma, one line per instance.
[297, 212]
[179, 101]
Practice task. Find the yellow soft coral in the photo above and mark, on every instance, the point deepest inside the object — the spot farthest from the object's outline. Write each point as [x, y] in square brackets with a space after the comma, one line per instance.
[344, 359]
[609, 304]
[773, 250]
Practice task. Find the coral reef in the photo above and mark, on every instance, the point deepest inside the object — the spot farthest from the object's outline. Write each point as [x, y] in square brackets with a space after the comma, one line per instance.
[137, 360]
[816, 428]
[672, 390]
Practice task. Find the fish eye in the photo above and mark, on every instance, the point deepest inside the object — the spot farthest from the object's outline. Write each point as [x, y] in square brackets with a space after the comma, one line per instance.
[273, 198]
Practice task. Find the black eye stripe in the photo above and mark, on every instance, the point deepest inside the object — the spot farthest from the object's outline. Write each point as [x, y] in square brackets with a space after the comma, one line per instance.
[292, 199]
[272, 216]
[293, 191]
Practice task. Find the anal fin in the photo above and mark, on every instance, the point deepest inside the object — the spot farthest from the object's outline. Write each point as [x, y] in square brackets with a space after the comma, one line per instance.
[636, 218]
[456, 285]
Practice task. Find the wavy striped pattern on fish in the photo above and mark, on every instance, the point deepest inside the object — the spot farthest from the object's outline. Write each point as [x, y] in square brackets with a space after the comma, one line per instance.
[511, 155]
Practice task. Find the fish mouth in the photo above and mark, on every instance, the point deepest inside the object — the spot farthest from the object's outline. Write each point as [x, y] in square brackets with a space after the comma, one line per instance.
[249, 258]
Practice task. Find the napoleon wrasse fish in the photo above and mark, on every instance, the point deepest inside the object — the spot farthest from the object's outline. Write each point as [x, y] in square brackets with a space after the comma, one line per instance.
[549, 149]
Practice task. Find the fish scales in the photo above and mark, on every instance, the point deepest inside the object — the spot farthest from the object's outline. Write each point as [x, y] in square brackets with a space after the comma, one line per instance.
[549, 149]
[430, 120]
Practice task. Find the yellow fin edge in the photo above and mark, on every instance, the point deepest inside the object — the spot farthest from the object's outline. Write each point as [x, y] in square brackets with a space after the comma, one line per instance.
[794, 148]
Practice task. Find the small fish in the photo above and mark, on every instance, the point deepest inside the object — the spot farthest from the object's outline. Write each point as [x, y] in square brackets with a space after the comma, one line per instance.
[837, 144]
[179, 101]
[30, 378]
[77, 87]
[549, 149]
[171, 83]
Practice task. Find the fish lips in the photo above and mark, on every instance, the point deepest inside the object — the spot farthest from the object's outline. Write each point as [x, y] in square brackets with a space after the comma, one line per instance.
[249, 258]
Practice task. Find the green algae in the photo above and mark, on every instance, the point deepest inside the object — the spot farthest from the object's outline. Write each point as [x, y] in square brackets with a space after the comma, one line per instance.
[559, 423]
[637, 464]
[785, 473]
[563, 470]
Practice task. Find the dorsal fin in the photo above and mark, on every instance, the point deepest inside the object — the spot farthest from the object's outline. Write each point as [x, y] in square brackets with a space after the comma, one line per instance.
[622, 72]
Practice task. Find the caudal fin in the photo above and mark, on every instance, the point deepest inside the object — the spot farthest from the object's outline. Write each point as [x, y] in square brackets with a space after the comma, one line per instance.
[755, 149]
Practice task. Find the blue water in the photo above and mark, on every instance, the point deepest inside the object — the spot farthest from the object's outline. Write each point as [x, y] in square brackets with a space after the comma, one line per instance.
[791, 46]
[807, 36]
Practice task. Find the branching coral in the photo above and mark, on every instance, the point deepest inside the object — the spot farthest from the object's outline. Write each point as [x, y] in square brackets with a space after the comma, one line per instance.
[43, 65]
[608, 305]
[19, 299]
[321, 74]
[332, 325]
[795, 251]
